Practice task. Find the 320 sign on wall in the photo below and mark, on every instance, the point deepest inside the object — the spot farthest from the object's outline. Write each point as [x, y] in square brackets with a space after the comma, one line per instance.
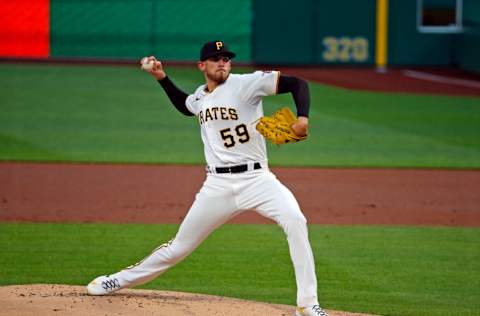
[345, 49]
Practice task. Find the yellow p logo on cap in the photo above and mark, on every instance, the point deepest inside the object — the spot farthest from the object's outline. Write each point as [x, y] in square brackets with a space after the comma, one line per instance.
[219, 45]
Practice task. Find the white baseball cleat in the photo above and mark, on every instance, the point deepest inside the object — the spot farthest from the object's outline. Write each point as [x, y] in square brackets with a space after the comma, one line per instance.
[314, 310]
[103, 285]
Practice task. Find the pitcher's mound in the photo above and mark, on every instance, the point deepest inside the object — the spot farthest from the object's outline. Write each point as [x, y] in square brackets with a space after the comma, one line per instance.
[52, 299]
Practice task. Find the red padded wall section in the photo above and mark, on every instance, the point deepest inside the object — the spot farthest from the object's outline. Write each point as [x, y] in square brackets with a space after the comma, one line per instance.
[24, 28]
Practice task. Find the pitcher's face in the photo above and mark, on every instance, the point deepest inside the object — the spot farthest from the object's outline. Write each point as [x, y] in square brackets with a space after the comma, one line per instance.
[216, 68]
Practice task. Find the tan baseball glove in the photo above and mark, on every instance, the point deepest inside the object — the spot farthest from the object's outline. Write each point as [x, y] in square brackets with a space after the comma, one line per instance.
[278, 127]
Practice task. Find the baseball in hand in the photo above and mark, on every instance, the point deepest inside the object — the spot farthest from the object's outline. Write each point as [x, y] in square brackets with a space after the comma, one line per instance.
[147, 65]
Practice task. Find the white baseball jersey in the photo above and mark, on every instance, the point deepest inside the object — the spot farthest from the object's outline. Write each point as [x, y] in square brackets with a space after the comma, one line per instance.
[228, 115]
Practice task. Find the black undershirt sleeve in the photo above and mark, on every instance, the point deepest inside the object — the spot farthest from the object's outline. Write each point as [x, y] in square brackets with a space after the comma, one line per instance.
[176, 96]
[300, 92]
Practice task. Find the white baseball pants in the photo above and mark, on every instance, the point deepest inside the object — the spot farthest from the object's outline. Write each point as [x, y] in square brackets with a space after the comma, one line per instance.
[221, 197]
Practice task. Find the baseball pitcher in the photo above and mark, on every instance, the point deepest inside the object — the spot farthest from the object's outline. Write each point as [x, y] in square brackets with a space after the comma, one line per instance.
[229, 110]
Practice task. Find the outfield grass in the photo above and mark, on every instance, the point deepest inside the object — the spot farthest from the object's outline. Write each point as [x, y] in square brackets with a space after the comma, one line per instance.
[384, 270]
[120, 114]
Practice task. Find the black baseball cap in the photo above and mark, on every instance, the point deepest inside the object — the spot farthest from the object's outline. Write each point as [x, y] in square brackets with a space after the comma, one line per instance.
[215, 48]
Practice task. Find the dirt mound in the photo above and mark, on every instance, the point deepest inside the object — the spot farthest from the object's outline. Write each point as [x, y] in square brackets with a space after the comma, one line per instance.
[53, 299]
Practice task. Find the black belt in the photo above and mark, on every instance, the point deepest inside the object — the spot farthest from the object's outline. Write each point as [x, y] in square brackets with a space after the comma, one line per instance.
[237, 169]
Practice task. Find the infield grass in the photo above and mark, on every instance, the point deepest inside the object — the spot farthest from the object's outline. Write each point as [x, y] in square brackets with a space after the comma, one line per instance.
[396, 271]
[119, 114]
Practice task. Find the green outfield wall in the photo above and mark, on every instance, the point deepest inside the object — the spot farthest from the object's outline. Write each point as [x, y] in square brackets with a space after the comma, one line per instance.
[173, 29]
[467, 44]
[314, 32]
[408, 46]
[343, 32]
[304, 32]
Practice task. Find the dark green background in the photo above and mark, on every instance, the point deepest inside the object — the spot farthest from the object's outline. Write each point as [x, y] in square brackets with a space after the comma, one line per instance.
[172, 29]
[259, 31]
[295, 35]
